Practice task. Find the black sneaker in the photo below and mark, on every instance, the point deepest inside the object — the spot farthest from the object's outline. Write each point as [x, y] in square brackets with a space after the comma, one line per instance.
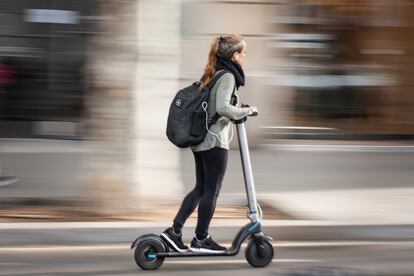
[206, 245]
[174, 240]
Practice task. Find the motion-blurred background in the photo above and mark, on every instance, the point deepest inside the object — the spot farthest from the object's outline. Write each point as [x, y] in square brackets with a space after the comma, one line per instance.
[85, 87]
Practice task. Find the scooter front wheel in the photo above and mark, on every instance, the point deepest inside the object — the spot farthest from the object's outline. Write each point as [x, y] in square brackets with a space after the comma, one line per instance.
[259, 257]
[145, 254]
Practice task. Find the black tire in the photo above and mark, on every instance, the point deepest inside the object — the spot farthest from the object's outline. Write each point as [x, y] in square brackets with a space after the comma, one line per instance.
[252, 255]
[147, 246]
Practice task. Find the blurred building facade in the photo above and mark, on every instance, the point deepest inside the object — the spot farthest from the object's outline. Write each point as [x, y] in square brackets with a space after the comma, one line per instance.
[317, 69]
[71, 67]
[329, 64]
[343, 66]
[103, 73]
[44, 46]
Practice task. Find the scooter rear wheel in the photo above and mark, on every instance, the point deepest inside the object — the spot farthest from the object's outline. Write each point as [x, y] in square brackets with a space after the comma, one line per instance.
[145, 254]
[259, 260]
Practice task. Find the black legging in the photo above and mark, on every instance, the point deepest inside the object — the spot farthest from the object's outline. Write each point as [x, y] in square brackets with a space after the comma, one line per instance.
[210, 168]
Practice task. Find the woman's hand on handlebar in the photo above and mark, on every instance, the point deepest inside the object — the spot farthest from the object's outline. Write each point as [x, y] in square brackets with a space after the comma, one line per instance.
[253, 111]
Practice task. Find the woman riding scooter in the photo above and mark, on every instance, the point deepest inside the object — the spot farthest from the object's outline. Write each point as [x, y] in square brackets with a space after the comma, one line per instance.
[227, 53]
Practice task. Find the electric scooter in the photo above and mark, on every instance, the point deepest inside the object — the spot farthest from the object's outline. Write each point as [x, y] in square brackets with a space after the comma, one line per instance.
[151, 249]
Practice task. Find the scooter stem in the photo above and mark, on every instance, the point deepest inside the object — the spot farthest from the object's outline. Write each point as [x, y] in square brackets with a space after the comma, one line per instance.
[247, 171]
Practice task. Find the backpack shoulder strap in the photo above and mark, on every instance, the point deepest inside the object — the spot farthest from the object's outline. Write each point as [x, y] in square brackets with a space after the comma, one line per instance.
[216, 116]
[215, 78]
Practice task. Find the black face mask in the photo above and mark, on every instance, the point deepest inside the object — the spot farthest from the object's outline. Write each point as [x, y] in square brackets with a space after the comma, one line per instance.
[235, 68]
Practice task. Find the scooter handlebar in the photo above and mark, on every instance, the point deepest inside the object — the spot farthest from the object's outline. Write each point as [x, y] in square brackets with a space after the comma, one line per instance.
[253, 114]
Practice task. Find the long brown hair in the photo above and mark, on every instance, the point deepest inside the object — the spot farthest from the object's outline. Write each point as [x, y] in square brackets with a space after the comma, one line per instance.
[223, 46]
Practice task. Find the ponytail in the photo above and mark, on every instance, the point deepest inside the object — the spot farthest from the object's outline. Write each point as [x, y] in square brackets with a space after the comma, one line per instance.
[223, 46]
[210, 68]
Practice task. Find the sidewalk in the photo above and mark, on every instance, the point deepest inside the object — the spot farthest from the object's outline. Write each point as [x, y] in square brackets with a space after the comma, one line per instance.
[356, 206]
[392, 206]
[348, 216]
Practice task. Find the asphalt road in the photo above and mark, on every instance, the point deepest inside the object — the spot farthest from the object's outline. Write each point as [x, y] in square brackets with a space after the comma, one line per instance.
[328, 258]
[43, 249]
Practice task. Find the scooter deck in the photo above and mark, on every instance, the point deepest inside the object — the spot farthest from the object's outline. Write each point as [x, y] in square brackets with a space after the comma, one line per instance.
[189, 253]
[246, 231]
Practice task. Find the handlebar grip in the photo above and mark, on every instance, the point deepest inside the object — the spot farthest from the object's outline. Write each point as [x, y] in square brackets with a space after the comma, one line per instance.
[251, 115]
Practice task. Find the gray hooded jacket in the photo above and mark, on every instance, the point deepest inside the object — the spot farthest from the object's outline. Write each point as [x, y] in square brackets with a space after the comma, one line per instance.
[219, 101]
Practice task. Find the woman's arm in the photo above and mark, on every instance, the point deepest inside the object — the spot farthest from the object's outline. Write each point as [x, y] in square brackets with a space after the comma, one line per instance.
[223, 97]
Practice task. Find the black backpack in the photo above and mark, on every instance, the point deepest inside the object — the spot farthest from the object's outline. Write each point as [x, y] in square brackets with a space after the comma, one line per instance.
[186, 124]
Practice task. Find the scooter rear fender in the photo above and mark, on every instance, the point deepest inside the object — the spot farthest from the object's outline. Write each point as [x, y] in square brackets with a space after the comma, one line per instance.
[146, 236]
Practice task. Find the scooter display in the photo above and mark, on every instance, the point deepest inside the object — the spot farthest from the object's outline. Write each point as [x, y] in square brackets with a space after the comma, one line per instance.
[151, 249]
